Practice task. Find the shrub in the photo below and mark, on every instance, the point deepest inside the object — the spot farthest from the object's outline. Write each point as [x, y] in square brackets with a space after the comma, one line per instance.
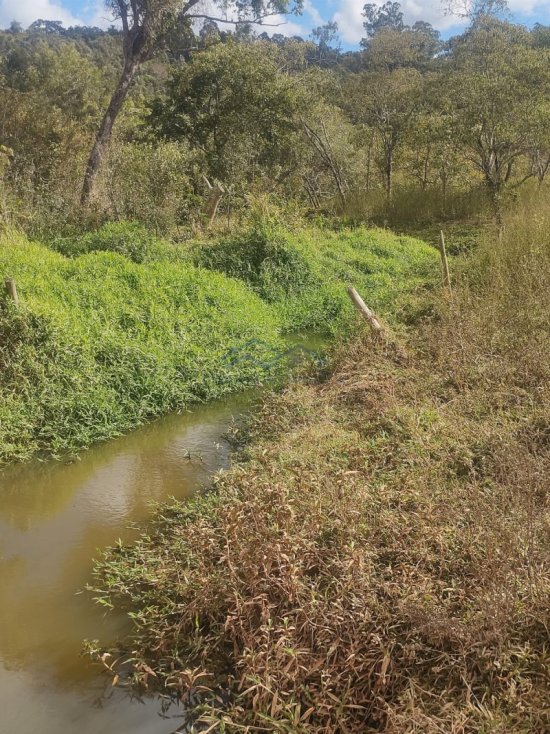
[131, 239]
[151, 183]
[304, 273]
[101, 344]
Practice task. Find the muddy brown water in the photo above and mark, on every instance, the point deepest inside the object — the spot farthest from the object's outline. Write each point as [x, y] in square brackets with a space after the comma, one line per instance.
[54, 518]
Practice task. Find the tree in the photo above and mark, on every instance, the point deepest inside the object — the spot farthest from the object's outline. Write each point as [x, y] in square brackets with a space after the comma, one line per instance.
[387, 103]
[326, 39]
[411, 47]
[390, 43]
[54, 27]
[233, 105]
[145, 24]
[378, 17]
[473, 10]
[496, 90]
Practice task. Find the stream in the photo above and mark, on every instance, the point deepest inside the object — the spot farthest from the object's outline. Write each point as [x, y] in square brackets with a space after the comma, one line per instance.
[55, 518]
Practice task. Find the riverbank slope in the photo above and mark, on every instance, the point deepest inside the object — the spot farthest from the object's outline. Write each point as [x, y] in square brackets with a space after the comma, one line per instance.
[381, 559]
[117, 327]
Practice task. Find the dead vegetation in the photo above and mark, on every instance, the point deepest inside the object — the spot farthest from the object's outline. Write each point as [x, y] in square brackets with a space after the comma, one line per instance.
[381, 561]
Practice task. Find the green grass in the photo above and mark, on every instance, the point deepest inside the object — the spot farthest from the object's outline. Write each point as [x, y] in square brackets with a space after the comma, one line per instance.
[130, 239]
[101, 344]
[117, 326]
[303, 274]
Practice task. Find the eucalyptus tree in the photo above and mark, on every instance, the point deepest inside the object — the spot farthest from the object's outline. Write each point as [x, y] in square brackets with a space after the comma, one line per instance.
[387, 103]
[497, 94]
[381, 17]
[390, 43]
[145, 26]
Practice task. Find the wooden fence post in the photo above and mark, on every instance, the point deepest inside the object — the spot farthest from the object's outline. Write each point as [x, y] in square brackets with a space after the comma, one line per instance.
[364, 310]
[444, 262]
[11, 290]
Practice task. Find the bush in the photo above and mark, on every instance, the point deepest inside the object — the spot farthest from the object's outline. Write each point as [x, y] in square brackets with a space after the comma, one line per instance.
[130, 239]
[304, 273]
[151, 183]
[101, 344]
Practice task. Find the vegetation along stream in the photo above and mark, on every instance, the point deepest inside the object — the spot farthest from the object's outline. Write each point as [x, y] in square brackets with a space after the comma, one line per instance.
[178, 200]
[54, 517]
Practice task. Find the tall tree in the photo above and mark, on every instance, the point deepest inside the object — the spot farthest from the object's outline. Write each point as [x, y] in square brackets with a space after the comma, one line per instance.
[387, 103]
[145, 24]
[390, 43]
[234, 105]
[326, 39]
[496, 91]
[377, 17]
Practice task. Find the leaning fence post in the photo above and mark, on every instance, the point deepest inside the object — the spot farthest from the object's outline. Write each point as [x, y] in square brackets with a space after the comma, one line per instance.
[444, 262]
[364, 310]
[11, 290]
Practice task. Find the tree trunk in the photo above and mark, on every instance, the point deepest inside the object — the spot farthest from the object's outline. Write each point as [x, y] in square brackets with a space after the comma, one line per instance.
[369, 165]
[103, 136]
[389, 175]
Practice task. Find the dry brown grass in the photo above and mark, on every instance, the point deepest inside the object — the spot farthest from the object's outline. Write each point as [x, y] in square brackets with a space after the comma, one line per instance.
[382, 561]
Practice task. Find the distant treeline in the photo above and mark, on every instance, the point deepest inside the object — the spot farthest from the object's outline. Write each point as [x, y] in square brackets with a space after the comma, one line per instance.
[408, 128]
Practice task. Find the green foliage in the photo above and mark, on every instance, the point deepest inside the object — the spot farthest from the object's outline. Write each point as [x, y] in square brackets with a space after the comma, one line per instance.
[101, 344]
[150, 182]
[304, 273]
[495, 95]
[130, 239]
[233, 103]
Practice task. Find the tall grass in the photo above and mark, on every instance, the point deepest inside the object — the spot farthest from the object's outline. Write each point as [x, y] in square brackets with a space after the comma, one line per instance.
[101, 344]
[125, 327]
[130, 239]
[382, 560]
[303, 273]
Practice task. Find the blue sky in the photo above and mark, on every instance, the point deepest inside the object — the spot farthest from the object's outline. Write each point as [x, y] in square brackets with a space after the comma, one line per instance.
[347, 13]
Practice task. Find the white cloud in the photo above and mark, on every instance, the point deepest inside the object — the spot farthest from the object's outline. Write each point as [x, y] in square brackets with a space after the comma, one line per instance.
[96, 14]
[350, 20]
[315, 16]
[27, 11]
[287, 27]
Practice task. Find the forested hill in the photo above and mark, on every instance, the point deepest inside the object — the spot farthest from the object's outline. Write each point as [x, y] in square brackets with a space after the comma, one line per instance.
[408, 129]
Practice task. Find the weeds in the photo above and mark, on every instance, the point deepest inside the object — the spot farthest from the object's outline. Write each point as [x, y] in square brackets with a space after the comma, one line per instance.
[101, 344]
[303, 274]
[381, 562]
[127, 328]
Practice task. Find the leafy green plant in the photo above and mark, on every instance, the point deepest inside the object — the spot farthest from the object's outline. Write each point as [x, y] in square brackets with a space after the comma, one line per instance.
[101, 344]
[131, 239]
[303, 273]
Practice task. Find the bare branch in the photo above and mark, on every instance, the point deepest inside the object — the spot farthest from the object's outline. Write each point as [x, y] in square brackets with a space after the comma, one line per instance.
[255, 21]
[188, 5]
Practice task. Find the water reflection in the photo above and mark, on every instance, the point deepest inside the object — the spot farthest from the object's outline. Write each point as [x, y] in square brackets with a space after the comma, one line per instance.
[53, 519]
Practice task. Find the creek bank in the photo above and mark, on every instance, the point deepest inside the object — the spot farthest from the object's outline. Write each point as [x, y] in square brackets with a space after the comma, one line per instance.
[121, 328]
[352, 574]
